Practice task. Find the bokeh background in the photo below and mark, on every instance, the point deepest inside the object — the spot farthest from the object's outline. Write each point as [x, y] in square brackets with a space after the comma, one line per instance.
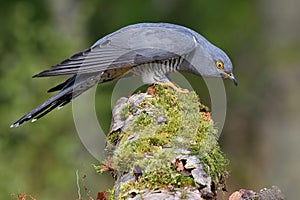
[261, 134]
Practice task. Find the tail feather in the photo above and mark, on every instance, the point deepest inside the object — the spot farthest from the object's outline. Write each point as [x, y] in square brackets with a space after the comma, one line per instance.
[56, 105]
[62, 98]
[68, 90]
[69, 82]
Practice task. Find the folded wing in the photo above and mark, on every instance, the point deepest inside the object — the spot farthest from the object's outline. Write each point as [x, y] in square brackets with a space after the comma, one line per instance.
[124, 48]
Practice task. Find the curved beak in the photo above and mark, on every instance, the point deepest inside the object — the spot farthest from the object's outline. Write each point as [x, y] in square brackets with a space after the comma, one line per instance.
[230, 76]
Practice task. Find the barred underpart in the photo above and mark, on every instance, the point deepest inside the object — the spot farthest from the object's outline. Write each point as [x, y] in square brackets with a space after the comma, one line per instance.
[157, 71]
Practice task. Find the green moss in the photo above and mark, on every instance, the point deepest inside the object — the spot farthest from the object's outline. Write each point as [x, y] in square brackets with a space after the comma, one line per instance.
[162, 178]
[205, 144]
[112, 193]
[150, 145]
[142, 120]
[125, 111]
[113, 137]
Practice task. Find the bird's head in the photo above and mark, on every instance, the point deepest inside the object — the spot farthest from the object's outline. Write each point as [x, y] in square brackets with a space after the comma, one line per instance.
[223, 65]
[211, 61]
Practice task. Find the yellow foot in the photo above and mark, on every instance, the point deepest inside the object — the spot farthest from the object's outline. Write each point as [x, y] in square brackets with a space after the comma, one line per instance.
[172, 85]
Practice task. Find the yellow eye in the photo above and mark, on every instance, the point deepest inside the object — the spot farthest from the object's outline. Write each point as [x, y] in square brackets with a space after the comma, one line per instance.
[219, 65]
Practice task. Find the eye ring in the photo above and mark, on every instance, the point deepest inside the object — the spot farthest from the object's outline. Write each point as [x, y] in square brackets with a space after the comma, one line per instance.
[219, 65]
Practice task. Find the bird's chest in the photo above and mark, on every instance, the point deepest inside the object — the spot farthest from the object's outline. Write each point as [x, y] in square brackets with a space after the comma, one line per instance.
[155, 71]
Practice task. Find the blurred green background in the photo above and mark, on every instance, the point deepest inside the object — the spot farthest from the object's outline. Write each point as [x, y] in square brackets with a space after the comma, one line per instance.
[261, 133]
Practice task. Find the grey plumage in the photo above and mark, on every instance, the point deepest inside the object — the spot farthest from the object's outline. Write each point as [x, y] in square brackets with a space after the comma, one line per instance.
[149, 50]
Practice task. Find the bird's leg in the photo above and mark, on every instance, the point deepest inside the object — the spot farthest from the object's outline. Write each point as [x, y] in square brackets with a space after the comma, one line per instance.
[172, 85]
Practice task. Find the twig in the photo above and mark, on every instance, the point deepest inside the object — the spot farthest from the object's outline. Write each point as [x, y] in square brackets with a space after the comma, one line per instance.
[78, 186]
[87, 191]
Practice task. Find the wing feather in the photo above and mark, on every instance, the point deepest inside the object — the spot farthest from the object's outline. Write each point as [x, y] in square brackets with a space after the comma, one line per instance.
[127, 47]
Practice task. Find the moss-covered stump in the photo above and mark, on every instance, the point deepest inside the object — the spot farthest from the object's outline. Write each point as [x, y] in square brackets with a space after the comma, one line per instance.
[162, 145]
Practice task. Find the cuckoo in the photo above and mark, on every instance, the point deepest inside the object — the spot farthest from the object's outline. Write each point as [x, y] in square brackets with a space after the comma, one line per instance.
[149, 50]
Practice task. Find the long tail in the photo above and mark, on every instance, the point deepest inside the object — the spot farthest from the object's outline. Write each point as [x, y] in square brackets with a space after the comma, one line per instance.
[60, 99]
[68, 90]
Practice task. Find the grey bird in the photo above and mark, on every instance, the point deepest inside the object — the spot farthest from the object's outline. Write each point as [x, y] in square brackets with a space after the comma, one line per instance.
[149, 50]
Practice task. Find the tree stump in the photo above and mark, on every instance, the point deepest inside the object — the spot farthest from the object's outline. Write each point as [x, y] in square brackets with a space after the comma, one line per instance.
[163, 145]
